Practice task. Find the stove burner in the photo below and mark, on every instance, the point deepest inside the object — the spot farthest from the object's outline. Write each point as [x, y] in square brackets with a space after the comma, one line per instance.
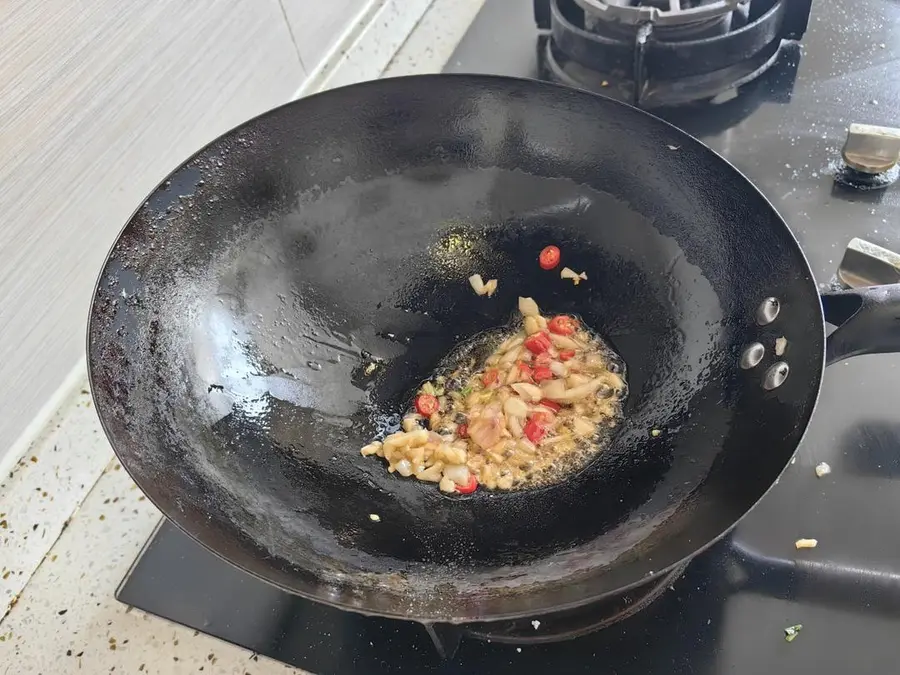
[660, 12]
[654, 53]
[574, 623]
[557, 626]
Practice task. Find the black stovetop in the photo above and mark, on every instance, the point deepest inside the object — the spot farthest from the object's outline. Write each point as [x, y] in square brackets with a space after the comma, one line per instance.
[728, 612]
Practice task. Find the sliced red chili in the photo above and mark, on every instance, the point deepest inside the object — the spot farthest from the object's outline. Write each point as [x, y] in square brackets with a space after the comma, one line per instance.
[538, 343]
[549, 257]
[553, 405]
[525, 370]
[491, 376]
[427, 405]
[566, 354]
[469, 487]
[562, 325]
[534, 430]
[462, 430]
[542, 373]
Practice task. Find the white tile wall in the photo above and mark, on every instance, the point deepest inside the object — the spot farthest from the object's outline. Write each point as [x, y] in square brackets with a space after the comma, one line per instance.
[99, 100]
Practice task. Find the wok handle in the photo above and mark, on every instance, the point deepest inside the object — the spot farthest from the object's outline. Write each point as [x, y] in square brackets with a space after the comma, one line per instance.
[867, 320]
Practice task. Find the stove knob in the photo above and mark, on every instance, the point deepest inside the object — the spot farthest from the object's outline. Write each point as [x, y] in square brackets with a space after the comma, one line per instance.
[870, 149]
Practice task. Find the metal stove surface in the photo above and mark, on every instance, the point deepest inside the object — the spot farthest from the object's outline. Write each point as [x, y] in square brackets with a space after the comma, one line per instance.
[728, 612]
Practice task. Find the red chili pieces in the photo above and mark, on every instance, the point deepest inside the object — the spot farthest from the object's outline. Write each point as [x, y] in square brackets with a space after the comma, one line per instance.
[462, 430]
[427, 405]
[538, 343]
[566, 354]
[553, 405]
[490, 376]
[549, 257]
[469, 487]
[525, 370]
[562, 325]
[542, 373]
[535, 430]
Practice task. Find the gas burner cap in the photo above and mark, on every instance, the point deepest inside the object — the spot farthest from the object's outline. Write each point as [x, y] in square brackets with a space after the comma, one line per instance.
[870, 149]
[661, 12]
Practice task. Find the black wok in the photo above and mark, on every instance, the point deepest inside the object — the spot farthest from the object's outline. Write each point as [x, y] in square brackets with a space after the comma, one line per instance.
[236, 314]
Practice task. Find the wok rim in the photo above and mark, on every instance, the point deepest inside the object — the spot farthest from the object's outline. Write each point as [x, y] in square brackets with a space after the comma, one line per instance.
[526, 599]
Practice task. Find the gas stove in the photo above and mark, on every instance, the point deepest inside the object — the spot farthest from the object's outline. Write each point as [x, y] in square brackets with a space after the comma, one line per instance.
[655, 53]
[784, 123]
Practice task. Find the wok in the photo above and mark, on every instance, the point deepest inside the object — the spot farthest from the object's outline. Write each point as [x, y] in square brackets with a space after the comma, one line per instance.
[236, 315]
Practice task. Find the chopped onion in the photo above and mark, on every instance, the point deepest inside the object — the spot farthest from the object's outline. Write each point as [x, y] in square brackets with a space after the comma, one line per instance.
[515, 407]
[490, 287]
[528, 307]
[527, 446]
[447, 485]
[580, 392]
[822, 469]
[420, 437]
[458, 473]
[510, 356]
[780, 345]
[528, 391]
[370, 449]
[514, 424]
[806, 543]
[568, 273]
[558, 369]
[554, 389]
[404, 468]
[582, 427]
[477, 284]
[563, 342]
[531, 325]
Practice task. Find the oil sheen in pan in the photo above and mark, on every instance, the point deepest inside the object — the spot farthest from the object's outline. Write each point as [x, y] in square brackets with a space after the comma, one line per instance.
[469, 356]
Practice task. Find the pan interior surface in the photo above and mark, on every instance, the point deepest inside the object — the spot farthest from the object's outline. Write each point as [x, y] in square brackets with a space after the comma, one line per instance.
[273, 306]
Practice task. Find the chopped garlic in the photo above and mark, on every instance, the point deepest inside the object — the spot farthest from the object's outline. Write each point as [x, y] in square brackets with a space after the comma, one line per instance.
[822, 469]
[655, 432]
[806, 543]
[490, 287]
[374, 517]
[780, 345]
[536, 624]
[568, 273]
[477, 284]
[791, 632]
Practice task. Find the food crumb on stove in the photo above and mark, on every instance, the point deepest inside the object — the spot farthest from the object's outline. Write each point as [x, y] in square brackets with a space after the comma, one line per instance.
[806, 543]
[536, 624]
[519, 649]
[374, 517]
[655, 432]
[822, 469]
[791, 632]
[780, 346]
[673, 147]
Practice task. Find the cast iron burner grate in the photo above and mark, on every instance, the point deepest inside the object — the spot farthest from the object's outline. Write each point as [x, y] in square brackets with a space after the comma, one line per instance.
[656, 53]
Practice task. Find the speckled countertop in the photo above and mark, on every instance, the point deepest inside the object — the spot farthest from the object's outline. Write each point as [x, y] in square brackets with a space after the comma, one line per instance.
[72, 521]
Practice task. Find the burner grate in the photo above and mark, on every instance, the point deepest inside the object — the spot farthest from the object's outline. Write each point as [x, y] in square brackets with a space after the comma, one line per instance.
[661, 12]
[657, 63]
